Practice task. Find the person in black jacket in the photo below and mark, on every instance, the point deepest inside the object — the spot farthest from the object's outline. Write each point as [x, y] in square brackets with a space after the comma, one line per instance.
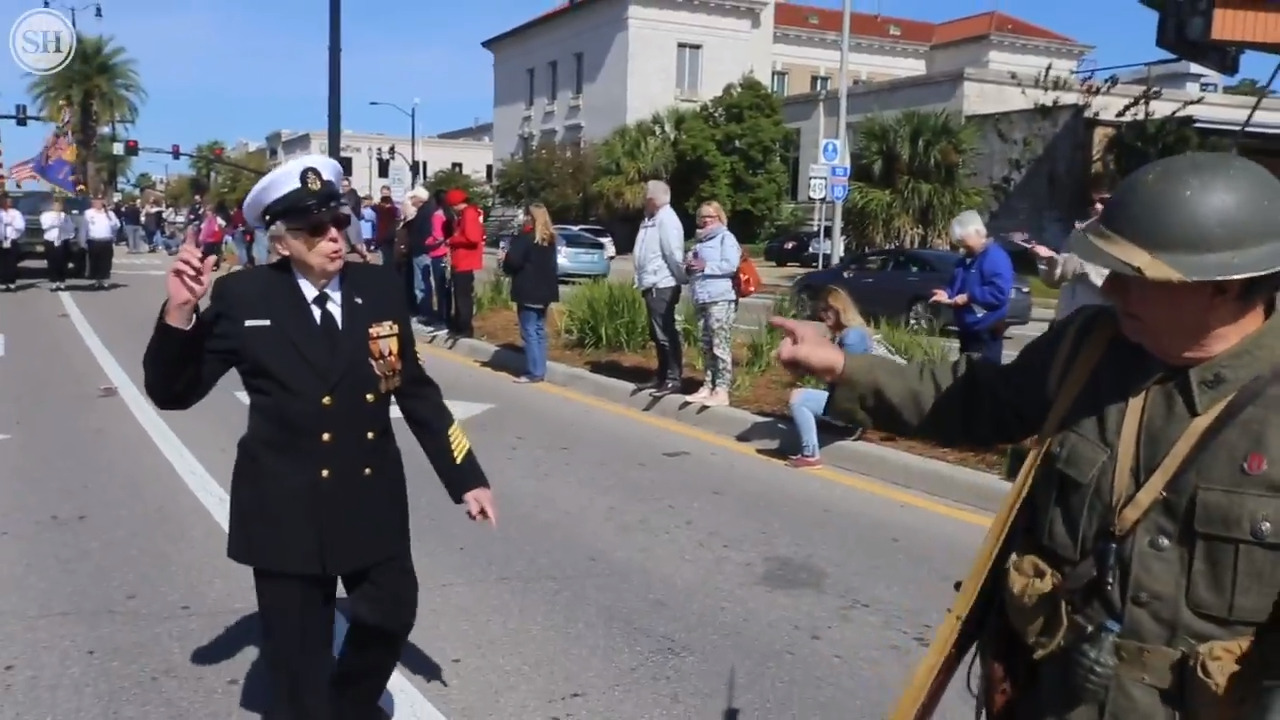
[530, 261]
[318, 494]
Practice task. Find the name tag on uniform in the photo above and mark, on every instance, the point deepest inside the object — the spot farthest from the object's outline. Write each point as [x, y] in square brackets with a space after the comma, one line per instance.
[256, 323]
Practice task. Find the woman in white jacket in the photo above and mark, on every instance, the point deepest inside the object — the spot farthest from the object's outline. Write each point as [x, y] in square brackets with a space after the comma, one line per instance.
[58, 230]
[100, 233]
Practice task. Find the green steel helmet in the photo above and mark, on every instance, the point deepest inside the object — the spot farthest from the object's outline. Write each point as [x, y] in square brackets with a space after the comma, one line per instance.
[1188, 218]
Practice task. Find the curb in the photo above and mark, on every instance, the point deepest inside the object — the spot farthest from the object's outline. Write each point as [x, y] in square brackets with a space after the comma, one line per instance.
[932, 477]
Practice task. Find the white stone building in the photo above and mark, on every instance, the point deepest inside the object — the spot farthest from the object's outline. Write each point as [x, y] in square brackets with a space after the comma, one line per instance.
[468, 151]
[589, 66]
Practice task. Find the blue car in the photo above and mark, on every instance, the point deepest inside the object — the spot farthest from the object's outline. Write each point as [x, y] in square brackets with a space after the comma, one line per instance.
[579, 255]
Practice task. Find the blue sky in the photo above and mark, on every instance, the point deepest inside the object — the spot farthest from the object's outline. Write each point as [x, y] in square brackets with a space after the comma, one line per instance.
[230, 69]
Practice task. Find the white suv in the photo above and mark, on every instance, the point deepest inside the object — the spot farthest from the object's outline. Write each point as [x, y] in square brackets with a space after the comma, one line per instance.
[597, 232]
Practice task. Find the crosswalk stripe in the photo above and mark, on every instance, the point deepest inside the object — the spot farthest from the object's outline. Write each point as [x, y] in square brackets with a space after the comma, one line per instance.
[461, 409]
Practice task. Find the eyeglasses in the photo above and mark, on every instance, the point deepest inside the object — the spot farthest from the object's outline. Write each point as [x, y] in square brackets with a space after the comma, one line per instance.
[319, 226]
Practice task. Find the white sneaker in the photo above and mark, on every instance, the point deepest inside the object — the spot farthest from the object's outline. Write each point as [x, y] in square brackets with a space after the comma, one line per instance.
[718, 398]
[701, 396]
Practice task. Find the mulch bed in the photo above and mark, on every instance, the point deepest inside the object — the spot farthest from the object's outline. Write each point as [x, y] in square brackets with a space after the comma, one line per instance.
[767, 395]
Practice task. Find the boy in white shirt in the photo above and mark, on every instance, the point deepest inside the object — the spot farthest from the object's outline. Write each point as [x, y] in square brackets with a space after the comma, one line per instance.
[11, 226]
[101, 225]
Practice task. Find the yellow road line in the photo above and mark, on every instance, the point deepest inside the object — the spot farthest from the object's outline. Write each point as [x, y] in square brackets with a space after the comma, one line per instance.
[867, 485]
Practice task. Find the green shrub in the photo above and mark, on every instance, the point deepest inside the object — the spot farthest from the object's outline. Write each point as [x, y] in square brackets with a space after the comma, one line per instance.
[1039, 290]
[690, 335]
[605, 315]
[493, 294]
[913, 345]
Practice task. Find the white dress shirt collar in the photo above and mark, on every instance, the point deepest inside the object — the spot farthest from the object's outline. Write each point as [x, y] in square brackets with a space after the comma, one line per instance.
[309, 292]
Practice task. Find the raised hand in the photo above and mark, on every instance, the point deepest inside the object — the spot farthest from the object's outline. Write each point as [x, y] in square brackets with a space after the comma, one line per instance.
[807, 350]
[188, 280]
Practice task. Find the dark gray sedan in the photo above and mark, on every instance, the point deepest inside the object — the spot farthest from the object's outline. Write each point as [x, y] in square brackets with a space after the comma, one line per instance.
[895, 285]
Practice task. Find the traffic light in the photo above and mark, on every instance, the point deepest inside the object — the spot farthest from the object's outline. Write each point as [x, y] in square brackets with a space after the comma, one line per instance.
[131, 148]
[20, 114]
[217, 153]
[175, 152]
[391, 152]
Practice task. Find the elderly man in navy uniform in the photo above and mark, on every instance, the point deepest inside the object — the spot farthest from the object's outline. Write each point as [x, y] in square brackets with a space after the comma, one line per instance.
[318, 490]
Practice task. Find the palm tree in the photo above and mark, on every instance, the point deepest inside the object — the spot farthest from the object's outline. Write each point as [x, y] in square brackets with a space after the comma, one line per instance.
[634, 154]
[102, 88]
[913, 177]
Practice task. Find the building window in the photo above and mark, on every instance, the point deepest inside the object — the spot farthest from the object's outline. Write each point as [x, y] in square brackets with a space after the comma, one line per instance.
[526, 146]
[578, 80]
[688, 69]
[345, 162]
[456, 167]
[528, 98]
[779, 83]
[553, 81]
[488, 173]
[819, 83]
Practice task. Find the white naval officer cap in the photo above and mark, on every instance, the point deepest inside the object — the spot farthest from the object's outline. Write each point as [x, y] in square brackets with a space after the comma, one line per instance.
[300, 188]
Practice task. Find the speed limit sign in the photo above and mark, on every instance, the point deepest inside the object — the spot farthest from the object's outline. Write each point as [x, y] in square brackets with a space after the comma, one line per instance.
[817, 188]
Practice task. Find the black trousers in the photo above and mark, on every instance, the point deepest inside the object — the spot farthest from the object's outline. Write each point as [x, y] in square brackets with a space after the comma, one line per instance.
[100, 255]
[464, 302]
[9, 264]
[56, 256]
[296, 613]
[985, 344]
[661, 304]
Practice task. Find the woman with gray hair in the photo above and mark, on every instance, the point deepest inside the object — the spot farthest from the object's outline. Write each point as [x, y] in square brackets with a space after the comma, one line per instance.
[979, 291]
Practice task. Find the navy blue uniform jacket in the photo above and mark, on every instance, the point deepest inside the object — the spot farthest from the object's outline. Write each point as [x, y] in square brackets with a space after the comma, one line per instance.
[318, 485]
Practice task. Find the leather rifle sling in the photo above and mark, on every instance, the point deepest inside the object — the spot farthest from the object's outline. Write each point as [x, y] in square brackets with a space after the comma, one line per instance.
[1128, 514]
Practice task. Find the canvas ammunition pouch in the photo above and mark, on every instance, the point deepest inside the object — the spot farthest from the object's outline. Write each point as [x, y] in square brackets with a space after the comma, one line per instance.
[1035, 608]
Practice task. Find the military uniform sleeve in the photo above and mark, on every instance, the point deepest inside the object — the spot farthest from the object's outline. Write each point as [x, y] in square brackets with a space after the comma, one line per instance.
[181, 366]
[963, 403]
[432, 423]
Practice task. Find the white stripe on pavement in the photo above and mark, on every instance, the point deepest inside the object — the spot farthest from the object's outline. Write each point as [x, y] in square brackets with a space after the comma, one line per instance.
[401, 701]
[137, 272]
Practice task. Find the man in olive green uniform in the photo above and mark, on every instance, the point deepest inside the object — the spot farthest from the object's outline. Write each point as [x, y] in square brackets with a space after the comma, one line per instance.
[1145, 562]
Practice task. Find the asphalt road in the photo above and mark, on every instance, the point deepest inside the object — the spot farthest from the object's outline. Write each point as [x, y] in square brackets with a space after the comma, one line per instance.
[635, 569]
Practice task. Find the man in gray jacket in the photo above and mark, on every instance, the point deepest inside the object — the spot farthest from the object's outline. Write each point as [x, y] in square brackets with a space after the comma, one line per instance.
[659, 265]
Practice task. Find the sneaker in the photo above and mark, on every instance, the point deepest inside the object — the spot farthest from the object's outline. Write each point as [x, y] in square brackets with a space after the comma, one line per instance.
[718, 398]
[803, 462]
[702, 395]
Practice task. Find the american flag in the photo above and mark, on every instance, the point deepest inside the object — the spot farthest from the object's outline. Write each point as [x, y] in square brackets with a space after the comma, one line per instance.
[22, 172]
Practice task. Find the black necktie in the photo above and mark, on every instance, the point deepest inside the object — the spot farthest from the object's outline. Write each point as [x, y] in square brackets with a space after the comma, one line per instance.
[328, 323]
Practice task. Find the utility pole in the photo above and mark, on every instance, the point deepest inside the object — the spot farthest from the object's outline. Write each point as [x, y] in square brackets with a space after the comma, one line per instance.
[842, 124]
[413, 145]
[335, 79]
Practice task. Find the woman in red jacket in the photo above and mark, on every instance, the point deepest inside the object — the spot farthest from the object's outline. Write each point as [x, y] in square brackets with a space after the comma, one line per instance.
[466, 257]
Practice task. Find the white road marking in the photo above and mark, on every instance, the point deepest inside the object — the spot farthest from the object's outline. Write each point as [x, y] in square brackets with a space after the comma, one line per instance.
[1, 344]
[5, 437]
[461, 410]
[137, 272]
[137, 261]
[401, 701]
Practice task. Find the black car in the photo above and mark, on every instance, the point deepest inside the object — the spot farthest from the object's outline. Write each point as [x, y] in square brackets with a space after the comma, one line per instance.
[798, 248]
[895, 285]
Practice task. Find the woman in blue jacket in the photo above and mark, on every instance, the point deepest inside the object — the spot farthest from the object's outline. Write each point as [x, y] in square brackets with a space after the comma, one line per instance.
[712, 265]
[851, 333]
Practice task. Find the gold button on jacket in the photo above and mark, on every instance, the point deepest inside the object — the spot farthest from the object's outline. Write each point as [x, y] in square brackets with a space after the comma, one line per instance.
[326, 400]
[324, 473]
[326, 437]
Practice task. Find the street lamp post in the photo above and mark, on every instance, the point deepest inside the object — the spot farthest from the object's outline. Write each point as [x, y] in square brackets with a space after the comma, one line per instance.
[335, 79]
[842, 121]
[412, 114]
[96, 7]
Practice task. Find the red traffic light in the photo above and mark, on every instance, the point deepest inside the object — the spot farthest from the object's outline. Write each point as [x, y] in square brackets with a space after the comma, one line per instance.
[175, 152]
[217, 152]
[131, 148]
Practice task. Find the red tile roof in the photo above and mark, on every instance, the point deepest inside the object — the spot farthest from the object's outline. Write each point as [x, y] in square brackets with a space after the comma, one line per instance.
[788, 15]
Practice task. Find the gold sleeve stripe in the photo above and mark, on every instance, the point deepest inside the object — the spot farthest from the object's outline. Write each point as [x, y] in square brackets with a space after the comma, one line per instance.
[459, 443]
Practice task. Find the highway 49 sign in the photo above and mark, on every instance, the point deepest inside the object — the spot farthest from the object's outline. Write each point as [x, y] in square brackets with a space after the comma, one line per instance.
[817, 188]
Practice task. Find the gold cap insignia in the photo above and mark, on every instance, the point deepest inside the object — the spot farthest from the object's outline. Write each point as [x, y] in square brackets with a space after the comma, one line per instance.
[311, 179]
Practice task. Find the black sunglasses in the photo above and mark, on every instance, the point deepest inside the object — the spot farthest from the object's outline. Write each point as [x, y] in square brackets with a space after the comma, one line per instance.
[319, 226]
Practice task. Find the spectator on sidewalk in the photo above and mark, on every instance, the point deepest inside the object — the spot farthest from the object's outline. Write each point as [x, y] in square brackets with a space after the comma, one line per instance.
[386, 223]
[978, 294]
[1078, 283]
[368, 219]
[101, 226]
[153, 223]
[135, 237]
[212, 235]
[658, 257]
[530, 261]
[848, 330]
[426, 273]
[466, 258]
[712, 266]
